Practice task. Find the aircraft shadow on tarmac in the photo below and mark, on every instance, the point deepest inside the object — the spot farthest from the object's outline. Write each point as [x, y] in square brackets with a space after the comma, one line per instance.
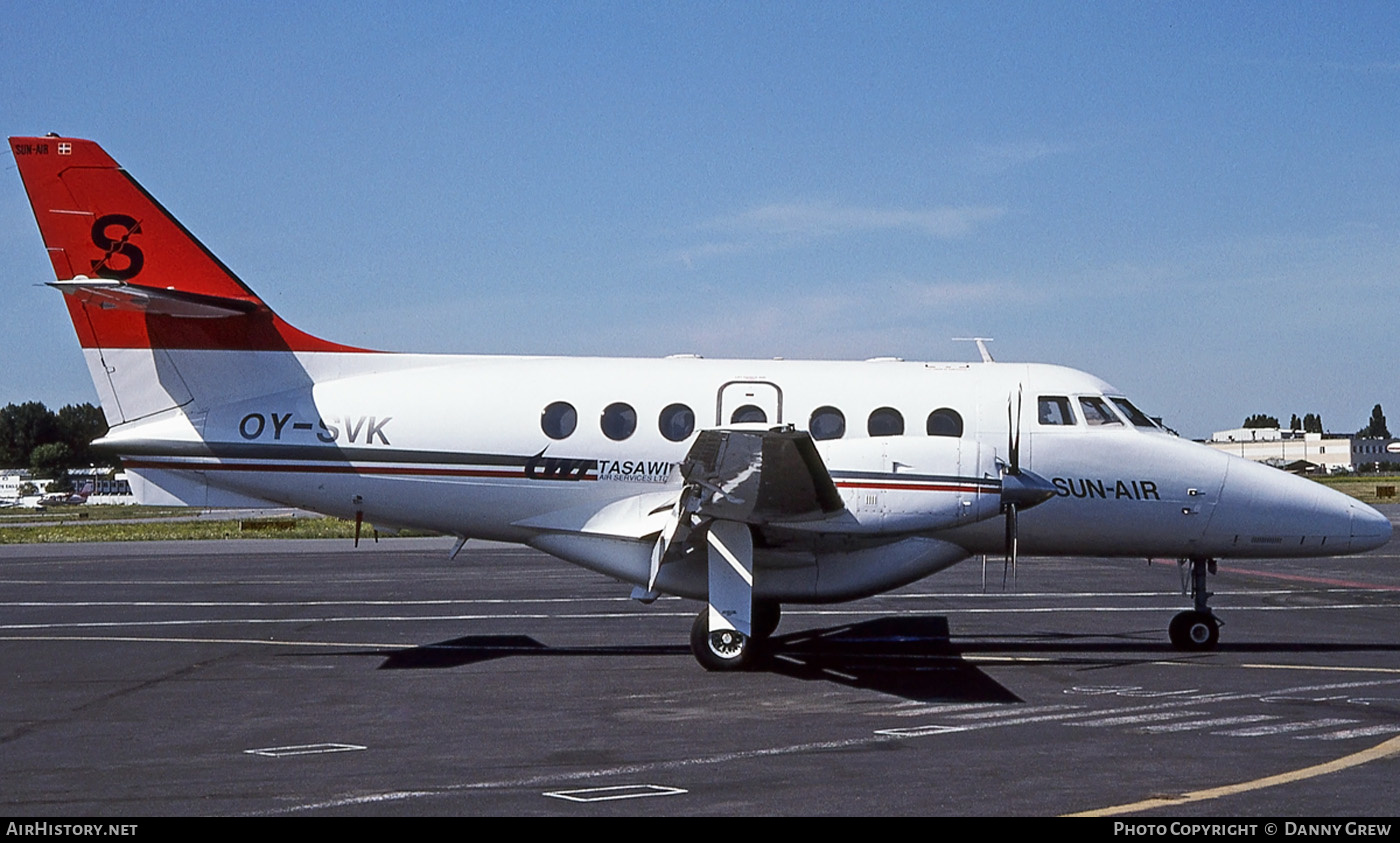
[909, 657]
[914, 657]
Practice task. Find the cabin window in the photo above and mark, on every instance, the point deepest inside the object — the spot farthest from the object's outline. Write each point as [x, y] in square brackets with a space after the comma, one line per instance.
[619, 421]
[559, 420]
[945, 422]
[677, 422]
[1054, 409]
[1096, 412]
[748, 414]
[827, 423]
[885, 421]
[1136, 416]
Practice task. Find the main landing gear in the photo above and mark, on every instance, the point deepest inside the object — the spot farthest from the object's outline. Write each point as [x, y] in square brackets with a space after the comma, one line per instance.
[1199, 628]
[729, 649]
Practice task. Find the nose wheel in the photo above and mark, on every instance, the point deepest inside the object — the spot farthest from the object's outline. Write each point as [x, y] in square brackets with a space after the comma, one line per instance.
[1199, 628]
[1194, 631]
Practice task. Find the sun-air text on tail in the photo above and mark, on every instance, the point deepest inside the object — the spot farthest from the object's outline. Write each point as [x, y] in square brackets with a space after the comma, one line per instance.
[742, 483]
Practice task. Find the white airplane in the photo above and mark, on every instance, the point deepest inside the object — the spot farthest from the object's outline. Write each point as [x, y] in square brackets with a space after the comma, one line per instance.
[742, 483]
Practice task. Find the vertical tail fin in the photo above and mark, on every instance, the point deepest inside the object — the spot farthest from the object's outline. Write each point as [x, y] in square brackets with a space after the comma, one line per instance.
[97, 222]
[138, 285]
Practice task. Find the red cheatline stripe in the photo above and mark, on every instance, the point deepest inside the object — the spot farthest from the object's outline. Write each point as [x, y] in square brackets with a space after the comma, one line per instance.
[921, 487]
[1319, 580]
[334, 469]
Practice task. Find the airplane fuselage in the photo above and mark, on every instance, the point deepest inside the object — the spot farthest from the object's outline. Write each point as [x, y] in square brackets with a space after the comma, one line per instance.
[458, 444]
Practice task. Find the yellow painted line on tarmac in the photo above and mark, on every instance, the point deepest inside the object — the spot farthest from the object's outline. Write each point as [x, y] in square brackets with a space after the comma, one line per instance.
[1375, 753]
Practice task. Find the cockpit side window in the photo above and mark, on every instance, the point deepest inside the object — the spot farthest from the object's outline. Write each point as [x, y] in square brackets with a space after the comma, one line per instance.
[1055, 409]
[1136, 416]
[1096, 411]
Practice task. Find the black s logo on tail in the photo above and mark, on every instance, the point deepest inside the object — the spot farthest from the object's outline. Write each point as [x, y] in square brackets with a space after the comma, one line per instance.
[100, 238]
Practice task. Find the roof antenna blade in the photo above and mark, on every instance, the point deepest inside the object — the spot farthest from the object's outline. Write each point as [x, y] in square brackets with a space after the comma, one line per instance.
[981, 346]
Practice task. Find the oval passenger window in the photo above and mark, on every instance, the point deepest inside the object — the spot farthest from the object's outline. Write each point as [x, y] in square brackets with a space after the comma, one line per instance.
[945, 422]
[748, 414]
[619, 421]
[885, 421]
[827, 423]
[559, 420]
[677, 422]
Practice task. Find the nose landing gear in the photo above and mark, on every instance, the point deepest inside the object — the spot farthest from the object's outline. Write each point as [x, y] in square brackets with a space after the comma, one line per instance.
[1199, 628]
[1194, 631]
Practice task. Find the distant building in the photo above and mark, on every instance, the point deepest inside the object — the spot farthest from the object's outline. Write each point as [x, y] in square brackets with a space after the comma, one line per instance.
[10, 481]
[106, 486]
[1371, 451]
[1287, 448]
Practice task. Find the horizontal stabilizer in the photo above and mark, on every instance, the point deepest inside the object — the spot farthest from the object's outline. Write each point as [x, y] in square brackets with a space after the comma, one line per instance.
[112, 294]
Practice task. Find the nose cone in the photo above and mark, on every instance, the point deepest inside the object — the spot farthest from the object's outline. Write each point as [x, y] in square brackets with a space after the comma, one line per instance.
[1264, 512]
[1369, 529]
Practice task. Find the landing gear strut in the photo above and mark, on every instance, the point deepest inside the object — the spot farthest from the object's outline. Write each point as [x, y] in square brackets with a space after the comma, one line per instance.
[1198, 629]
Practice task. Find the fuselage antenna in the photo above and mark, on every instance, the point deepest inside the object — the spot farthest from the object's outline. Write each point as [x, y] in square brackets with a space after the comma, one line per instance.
[981, 346]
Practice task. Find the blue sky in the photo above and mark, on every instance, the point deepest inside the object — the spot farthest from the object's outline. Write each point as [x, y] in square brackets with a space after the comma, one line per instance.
[1199, 203]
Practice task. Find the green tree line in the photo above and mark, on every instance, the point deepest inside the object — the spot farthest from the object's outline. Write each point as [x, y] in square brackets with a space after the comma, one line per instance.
[47, 443]
[1312, 423]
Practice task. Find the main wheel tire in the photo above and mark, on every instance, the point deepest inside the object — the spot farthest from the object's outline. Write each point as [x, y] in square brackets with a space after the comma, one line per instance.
[1194, 631]
[765, 617]
[723, 650]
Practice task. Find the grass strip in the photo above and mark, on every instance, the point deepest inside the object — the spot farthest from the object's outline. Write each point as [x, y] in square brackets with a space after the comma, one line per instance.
[301, 528]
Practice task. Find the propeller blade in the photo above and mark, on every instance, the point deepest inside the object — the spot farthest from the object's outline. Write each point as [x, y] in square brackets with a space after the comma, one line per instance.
[1018, 488]
[1012, 543]
[663, 542]
[1013, 433]
[676, 528]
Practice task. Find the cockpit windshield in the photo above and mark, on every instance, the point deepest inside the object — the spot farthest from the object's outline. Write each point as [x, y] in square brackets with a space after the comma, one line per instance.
[1096, 411]
[1134, 415]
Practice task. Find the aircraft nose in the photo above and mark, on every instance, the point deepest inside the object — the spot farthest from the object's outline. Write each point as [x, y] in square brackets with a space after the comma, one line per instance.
[1370, 529]
[1264, 512]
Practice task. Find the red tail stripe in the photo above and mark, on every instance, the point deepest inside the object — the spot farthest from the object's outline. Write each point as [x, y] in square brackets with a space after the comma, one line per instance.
[98, 222]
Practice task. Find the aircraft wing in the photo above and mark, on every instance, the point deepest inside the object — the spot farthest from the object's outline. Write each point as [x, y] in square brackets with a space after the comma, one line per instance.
[750, 476]
[734, 478]
[759, 476]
